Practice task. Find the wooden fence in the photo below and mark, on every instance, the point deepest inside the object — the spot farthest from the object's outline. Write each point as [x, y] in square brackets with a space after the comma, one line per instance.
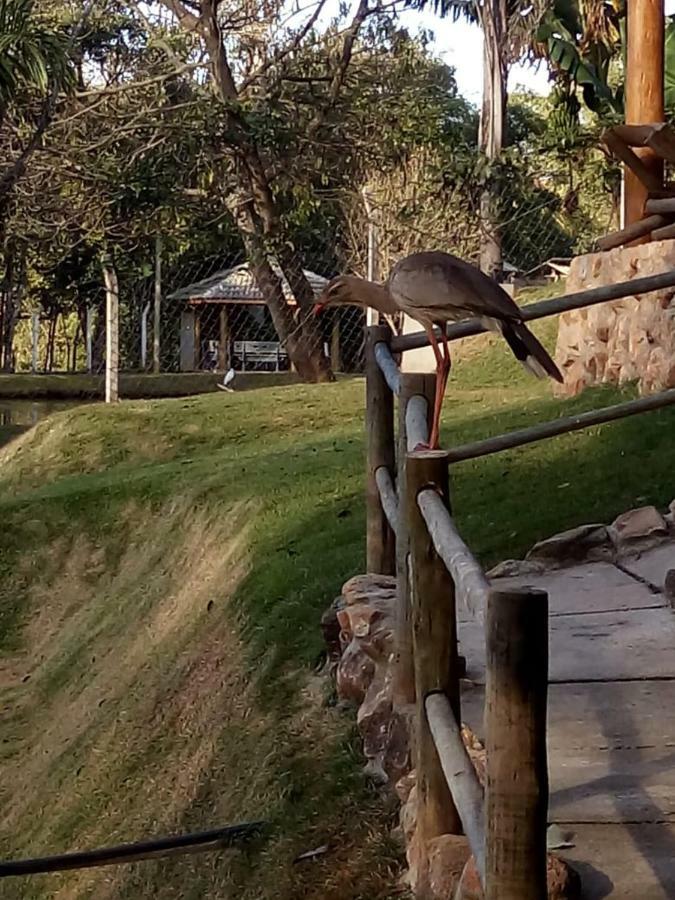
[411, 533]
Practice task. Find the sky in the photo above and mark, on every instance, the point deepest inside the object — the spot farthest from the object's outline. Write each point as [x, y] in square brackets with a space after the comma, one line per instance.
[460, 45]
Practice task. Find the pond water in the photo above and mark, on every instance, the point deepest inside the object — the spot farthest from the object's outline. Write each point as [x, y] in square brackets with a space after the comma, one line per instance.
[17, 416]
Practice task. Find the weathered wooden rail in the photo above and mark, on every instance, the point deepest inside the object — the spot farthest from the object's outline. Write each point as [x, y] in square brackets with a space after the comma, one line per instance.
[411, 531]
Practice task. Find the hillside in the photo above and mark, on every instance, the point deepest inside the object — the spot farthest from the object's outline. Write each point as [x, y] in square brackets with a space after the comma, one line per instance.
[163, 568]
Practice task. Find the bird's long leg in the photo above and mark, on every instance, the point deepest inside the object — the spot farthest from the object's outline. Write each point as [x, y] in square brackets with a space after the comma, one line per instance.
[441, 375]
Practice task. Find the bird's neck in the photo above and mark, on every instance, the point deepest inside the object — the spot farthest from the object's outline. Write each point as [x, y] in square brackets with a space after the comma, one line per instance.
[369, 293]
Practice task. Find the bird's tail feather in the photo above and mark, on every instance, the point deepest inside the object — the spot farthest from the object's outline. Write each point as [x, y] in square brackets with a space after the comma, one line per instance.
[527, 350]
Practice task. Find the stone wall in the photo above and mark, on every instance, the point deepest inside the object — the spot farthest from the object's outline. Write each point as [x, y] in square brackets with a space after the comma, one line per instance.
[632, 339]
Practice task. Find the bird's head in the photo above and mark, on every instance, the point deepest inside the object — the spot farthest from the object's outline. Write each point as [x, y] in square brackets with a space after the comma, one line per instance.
[340, 291]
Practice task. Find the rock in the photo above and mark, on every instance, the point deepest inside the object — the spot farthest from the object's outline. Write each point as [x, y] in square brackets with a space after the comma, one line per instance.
[408, 815]
[511, 568]
[639, 528]
[587, 542]
[383, 730]
[627, 339]
[563, 882]
[404, 786]
[330, 627]
[374, 716]
[476, 752]
[372, 624]
[355, 672]
[367, 588]
[447, 855]
[374, 771]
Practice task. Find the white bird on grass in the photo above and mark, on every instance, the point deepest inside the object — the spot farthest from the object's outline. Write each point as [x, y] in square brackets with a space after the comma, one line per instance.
[227, 381]
[435, 288]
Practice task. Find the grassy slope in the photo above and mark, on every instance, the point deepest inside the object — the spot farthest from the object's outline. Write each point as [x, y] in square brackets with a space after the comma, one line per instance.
[162, 570]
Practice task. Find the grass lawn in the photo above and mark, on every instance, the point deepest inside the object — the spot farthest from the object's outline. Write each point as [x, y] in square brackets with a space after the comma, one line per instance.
[163, 567]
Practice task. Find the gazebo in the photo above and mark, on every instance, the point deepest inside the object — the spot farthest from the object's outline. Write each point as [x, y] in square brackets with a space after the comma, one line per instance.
[224, 322]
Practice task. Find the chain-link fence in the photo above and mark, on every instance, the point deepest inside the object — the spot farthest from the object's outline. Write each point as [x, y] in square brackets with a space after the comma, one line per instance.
[220, 314]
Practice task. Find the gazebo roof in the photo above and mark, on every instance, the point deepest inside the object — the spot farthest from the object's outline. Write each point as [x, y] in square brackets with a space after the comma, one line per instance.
[237, 285]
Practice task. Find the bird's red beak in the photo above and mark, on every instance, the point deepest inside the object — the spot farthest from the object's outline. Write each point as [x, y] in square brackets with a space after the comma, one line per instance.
[318, 308]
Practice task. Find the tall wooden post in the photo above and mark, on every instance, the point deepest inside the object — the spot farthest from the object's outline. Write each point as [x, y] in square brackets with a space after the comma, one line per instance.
[112, 322]
[380, 540]
[434, 642]
[645, 33]
[516, 690]
[404, 670]
[224, 340]
[157, 318]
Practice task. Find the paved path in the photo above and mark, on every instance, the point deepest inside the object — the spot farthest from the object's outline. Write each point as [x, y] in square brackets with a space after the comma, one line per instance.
[611, 721]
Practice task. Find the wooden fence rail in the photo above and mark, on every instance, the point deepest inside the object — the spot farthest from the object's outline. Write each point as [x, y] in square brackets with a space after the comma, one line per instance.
[411, 531]
[544, 308]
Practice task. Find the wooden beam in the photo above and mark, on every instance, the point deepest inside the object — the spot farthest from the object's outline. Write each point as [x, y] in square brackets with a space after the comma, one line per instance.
[388, 497]
[417, 421]
[630, 233]
[224, 340]
[664, 234]
[645, 35]
[560, 426]
[660, 205]
[516, 688]
[388, 367]
[415, 401]
[553, 307]
[471, 585]
[434, 643]
[635, 163]
[466, 789]
[380, 539]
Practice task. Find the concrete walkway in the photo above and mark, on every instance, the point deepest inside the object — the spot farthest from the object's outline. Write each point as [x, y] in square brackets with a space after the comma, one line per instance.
[611, 720]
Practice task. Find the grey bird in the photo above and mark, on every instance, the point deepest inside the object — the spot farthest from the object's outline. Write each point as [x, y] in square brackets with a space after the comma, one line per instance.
[435, 288]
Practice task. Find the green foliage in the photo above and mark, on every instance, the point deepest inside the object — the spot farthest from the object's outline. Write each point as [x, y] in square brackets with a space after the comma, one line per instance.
[34, 55]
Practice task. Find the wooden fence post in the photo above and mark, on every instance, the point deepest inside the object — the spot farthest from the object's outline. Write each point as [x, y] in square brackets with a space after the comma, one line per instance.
[434, 644]
[404, 670]
[380, 539]
[515, 724]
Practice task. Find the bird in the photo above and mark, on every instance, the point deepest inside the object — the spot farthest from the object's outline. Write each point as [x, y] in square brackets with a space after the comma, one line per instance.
[434, 288]
[227, 381]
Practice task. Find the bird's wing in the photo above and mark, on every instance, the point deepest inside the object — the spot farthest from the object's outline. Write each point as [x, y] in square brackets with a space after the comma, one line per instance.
[440, 285]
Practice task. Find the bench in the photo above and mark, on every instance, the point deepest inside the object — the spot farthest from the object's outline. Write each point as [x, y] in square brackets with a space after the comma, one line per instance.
[259, 352]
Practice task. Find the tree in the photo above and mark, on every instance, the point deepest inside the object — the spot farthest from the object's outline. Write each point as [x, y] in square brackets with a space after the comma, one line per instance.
[251, 58]
[508, 27]
[34, 66]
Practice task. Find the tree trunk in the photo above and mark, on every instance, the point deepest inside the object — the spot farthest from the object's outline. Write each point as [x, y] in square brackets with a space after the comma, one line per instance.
[301, 340]
[13, 293]
[51, 335]
[256, 213]
[492, 131]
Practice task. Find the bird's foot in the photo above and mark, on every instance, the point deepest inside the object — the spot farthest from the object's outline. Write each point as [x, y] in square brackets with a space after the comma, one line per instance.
[420, 446]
